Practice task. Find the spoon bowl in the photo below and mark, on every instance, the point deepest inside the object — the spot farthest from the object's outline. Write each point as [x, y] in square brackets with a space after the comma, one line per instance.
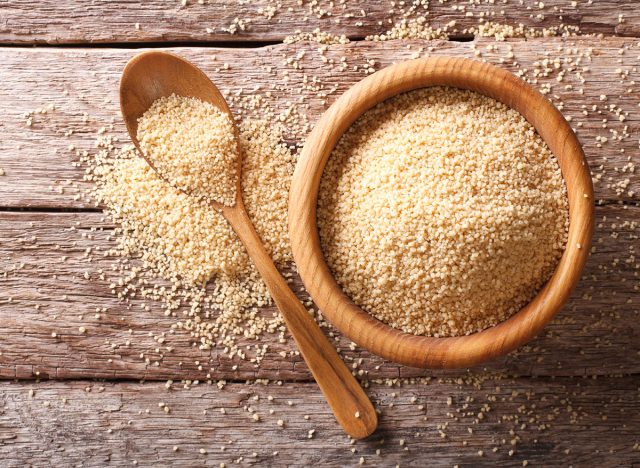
[153, 75]
[150, 76]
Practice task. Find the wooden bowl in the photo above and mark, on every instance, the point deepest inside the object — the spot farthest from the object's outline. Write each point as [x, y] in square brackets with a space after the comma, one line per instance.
[357, 324]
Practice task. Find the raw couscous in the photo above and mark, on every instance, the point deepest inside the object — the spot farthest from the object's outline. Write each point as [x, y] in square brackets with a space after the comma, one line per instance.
[184, 239]
[192, 144]
[442, 212]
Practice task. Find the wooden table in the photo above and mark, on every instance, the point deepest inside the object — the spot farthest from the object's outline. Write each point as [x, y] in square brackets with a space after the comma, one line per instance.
[572, 397]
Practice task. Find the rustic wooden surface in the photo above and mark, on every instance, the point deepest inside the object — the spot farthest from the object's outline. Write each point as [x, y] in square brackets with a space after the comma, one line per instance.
[561, 422]
[90, 77]
[592, 421]
[585, 339]
[76, 21]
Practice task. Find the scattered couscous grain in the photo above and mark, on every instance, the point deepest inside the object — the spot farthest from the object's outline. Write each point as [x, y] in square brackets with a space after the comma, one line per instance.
[192, 144]
[442, 212]
[185, 240]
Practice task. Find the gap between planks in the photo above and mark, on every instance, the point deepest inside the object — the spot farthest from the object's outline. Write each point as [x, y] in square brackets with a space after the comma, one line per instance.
[78, 22]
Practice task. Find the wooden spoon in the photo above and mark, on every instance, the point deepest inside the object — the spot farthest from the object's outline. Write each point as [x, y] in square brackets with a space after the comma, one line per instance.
[151, 75]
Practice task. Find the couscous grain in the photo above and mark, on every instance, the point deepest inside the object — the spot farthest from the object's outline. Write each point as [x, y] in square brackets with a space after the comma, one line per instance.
[184, 239]
[442, 212]
[192, 144]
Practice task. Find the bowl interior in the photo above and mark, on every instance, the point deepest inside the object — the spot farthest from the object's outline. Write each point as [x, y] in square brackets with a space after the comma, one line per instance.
[357, 324]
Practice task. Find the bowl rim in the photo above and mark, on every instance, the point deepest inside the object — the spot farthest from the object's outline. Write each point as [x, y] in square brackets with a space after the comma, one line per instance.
[361, 327]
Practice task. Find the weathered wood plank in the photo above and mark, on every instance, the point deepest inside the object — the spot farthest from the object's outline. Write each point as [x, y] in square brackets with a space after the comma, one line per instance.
[587, 338]
[76, 21]
[37, 158]
[561, 422]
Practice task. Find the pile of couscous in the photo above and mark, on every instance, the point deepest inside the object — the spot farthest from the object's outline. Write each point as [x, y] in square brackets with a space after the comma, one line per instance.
[442, 212]
[214, 288]
[192, 143]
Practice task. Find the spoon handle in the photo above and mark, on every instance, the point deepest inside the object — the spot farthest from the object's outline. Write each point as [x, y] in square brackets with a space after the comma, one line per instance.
[347, 399]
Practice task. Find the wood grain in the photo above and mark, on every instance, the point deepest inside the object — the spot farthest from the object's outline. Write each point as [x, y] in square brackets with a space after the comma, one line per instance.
[350, 405]
[37, 158]
[76, 21]
[587, 337]
[560, 422]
